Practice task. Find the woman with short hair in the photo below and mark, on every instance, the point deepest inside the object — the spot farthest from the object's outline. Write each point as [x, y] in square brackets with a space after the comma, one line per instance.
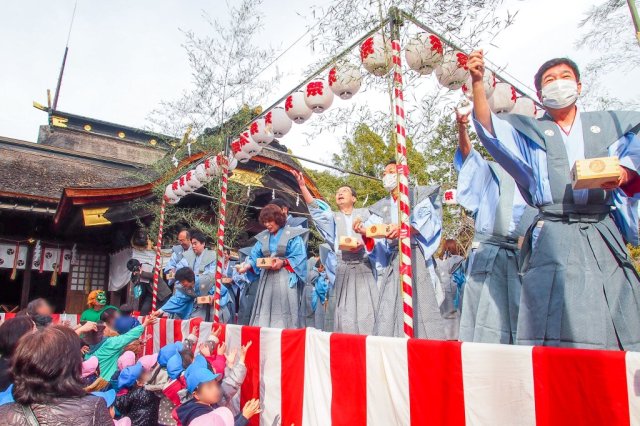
[47, 366]
[278, 298]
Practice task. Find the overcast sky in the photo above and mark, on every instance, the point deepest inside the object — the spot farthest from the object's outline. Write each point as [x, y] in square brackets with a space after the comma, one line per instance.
[126, 56]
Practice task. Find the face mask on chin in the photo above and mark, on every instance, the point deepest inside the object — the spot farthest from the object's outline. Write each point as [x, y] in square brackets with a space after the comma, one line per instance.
[560, 94]
[390, 181]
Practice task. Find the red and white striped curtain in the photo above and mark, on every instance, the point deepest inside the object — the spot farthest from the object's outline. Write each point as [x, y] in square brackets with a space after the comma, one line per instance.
[312, 378]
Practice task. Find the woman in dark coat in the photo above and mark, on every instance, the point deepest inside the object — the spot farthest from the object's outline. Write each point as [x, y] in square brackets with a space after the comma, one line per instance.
[50, 392]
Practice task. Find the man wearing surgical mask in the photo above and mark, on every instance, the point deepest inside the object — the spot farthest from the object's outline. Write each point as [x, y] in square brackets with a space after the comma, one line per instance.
[426, 230]
[579, 288]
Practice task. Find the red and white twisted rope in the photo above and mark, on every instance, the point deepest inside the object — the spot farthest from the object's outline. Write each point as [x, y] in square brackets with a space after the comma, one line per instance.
[404, 243]
[222, 213]
[158, 263]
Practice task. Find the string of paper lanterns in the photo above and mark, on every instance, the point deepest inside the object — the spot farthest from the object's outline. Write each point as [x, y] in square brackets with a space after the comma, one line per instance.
[193, 180]
[425, 54]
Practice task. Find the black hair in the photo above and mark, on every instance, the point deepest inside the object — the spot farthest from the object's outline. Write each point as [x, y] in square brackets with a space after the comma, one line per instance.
[391, 161]
[199, 236]
[280, 202]
[37, 380]
[185, 274]
[11, 331]
[126, 309]
[318, 263]
[537, 79]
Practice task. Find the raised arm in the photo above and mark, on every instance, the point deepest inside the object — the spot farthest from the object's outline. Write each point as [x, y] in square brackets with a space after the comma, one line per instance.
[481, 108]
[306, 194]
[464, 141]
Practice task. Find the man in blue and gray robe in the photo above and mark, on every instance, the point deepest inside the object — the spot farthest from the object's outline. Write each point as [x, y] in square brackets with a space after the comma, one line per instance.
[354, 295]
[426, 231]
[579, 287]
[502, 216]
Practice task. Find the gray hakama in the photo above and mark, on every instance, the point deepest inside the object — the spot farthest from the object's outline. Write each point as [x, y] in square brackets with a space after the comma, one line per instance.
[427, 321]
[492, 291]
[579, 287]
[276, 303]
[354, 295]
[449, 309]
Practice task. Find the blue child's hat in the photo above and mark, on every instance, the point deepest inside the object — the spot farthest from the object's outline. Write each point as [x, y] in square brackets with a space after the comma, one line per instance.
[198, 373]
[167, 352]
[6, 397]
[174, 366]
[129, 375]
[108, 396]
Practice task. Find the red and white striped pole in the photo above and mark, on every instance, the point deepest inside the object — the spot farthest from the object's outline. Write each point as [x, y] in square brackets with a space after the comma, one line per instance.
[404, 207]
[222, 214]
[158, 264]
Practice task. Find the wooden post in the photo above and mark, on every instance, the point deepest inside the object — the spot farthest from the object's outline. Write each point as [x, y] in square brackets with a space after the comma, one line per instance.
[26, 278]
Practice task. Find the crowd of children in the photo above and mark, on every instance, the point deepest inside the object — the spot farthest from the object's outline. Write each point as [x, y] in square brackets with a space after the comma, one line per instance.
[185, 383]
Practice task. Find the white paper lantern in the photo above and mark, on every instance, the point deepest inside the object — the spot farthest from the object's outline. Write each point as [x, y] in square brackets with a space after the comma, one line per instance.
[184, 185]
[211, 167]
[345, 79]
[261, 132]
[279, 121]
[249, 146]
[503, 98]
[376, 55]
[318, 96]
[175, 187]
[233, 163]
[450, 197]
[201, 174]
[296, 108]
[453, 72]
[525, 106]
[238, 153]
[192, 180]
[171, 196]
[424, 53]
[489, 81]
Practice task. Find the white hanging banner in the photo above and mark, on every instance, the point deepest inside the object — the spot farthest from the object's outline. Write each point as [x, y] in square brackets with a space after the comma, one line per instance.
[8, 255]
[52, 257]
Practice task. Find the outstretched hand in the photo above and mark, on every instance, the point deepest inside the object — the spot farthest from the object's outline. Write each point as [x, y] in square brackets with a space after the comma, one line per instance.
[299, 178]
[475, 63]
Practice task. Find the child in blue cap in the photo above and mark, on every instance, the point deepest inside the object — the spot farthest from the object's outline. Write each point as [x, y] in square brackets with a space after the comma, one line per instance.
[206, 393]
[109, 398]
[139, 404]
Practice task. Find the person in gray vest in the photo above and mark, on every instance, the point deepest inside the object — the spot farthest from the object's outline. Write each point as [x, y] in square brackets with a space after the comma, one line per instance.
[292, 221]
[278, 296]
[502, 216]
[355, 290]
[579, 287]
[177, 251]
[426, 231]
[203, 262]
[246, 288]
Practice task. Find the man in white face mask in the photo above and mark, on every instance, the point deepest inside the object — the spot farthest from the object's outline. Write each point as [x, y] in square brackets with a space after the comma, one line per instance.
[426, 230]
[579, 288]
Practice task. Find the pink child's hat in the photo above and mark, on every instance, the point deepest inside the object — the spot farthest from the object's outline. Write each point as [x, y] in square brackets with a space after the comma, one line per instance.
[89, 366]
[219, 417]
[148, 361]
[127, 359]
